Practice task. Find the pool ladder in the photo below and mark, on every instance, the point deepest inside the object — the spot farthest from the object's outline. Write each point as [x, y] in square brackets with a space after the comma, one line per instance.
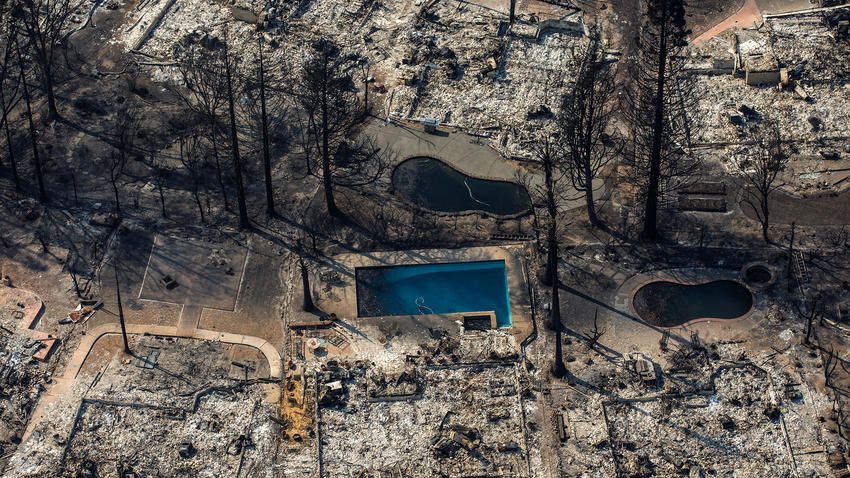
[800, 269]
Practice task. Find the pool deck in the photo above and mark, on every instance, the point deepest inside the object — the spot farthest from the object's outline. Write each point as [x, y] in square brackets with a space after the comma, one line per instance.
[465, 153]
[340, 296]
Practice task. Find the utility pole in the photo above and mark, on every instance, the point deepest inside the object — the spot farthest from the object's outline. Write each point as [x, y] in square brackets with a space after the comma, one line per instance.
[120, 308]
[513, 12]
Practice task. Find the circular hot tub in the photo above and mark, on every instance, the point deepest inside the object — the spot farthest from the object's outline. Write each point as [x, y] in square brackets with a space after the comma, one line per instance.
[758, 275]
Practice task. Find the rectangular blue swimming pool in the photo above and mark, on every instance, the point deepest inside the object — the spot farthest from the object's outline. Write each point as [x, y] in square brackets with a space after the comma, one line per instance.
[434, 289]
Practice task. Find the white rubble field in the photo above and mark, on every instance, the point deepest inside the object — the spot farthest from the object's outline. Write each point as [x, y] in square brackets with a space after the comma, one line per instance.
[721, 93]
[383, 435]
[530, 73]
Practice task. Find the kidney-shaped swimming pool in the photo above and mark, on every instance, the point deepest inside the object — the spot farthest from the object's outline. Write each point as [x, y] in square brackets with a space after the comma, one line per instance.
[669, 304]
[434, 185]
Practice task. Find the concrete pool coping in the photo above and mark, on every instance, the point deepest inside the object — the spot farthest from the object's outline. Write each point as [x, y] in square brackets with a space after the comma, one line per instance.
[466, 212]
[684, 276]
[340, 298]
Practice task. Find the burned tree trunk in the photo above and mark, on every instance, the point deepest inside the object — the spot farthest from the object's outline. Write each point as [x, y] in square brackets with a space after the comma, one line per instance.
[267, 162]
[42, 192]
[586, 113]
[244, 222]
[120, 308]
[657, 104]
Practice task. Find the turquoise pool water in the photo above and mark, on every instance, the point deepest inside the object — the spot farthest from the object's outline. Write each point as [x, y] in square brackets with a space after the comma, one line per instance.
[434, 289]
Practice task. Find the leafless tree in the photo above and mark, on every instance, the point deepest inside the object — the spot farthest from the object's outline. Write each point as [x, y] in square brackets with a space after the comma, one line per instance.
[761, 170]
[9, 89]
[159, 176]
[206, 97]
[657, 105]
[334, 150]
[39, 173]
[547, 151]
[124, 132]
[596, 333]
[44, 22]
[193, 163]
[230, 68]
[267, 113]
[585, 120]
[810, 311]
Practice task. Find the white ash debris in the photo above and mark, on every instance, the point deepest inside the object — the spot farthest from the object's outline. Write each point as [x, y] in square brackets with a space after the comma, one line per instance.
[463, 414]
[446, 62]
[227, 432]
[724, 93]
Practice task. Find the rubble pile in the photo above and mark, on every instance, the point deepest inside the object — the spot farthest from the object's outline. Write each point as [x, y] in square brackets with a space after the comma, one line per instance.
[229, 430]
[176, 407]
[735, 428]
[456, 63]
[464, 421]
[22, 380]
[809, 100]
[169, 372]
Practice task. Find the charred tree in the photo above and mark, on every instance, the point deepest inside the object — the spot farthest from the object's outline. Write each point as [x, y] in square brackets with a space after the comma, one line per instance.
[596, 333]
[267, 161]
[548, 153]
[761, 170]
[657, 106]
[206, 96]
[264, 113]
[585, 119]
[333, 148]
[44, 23]
[39, 175]
[229, 66]
[120, 308]
[159, 173]
[193, 164]
[9, 85]
[125, 129]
